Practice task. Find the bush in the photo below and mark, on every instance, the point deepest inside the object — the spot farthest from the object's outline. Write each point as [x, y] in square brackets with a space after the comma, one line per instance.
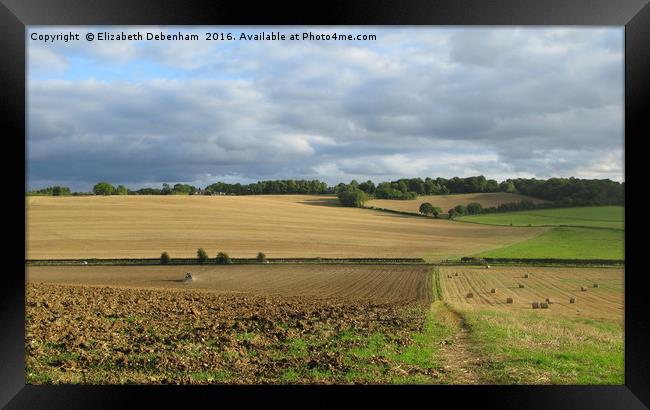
[223, 259]
[103, 188]
[202, 255]
[426, 208]
[353, 197]
[474, 208]
[164, 258]
[261, 257]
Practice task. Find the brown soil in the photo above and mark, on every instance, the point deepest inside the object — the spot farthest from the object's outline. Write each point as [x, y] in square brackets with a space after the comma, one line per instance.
[107, 335]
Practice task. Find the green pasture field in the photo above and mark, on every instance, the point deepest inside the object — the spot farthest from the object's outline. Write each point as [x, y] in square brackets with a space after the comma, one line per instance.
[593, 216]
[567, 243]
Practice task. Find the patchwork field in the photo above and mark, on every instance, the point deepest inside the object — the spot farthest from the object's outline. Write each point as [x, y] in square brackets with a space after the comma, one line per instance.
[279, 226]
[323, 324]
[447, 202]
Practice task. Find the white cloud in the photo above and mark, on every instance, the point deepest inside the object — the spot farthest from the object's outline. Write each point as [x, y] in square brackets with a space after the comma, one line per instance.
[502, 102]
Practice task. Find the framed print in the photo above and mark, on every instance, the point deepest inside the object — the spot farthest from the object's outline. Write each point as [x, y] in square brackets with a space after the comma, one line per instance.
[430, 198]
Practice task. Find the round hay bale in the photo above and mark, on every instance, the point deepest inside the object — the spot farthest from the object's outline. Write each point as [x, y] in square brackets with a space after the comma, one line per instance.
[543, 305]
[189, 277]
[509, 300]
[526, 275]
[535, 305]
[470, 295]
[521, 286]
[595, 285]
[449, 276]
[549, 301]
[487, 266]
[456, 274]
[582, 288]
[572, 300]
[493, 290]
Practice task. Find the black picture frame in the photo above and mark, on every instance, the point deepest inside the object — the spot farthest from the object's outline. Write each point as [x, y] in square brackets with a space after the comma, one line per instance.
[15, 15]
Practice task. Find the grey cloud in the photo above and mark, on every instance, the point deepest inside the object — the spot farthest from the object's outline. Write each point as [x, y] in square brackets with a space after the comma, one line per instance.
[502, 102]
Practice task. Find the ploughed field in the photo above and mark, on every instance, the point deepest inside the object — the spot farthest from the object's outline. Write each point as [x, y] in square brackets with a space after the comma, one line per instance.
[242, 226]
[242, 324]
[323, 324]
[446, 202]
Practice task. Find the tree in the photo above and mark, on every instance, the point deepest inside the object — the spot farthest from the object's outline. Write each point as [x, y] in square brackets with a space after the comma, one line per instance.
[164, 258]
[60, 190]
[121, 190]
[223, 259]
[451, 213]
[261, 257]
[353, 197]
[202, 255]
[507, 186]
[103, 188]
[426, 208]
[368, 187]
[436, 211]
[166, 190]
[474, 208]
[460, 210]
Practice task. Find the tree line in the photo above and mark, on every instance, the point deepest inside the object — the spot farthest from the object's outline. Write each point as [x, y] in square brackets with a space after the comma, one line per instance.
[222, 258]
[282, 186]
[560, 192]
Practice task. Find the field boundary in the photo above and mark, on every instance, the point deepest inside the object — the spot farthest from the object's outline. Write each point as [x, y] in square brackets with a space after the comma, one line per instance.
[235, 261]
[393, 211]
[540, 226]
[437, 286]
[446, 217]
[534, 262]
[470, 261]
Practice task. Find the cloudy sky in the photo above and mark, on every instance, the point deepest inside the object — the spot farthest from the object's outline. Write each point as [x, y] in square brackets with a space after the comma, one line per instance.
[445, 101]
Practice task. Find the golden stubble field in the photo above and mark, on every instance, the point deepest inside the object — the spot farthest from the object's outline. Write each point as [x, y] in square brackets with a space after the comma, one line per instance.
[446, 202]
[559, 284]
[385, 283]
[278, 225]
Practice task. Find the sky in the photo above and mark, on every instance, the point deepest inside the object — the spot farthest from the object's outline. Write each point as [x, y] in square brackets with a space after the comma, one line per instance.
[503, 102]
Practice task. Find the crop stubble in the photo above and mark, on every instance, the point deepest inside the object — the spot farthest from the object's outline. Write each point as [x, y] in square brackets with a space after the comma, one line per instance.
[278, 225]
[557, 283]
